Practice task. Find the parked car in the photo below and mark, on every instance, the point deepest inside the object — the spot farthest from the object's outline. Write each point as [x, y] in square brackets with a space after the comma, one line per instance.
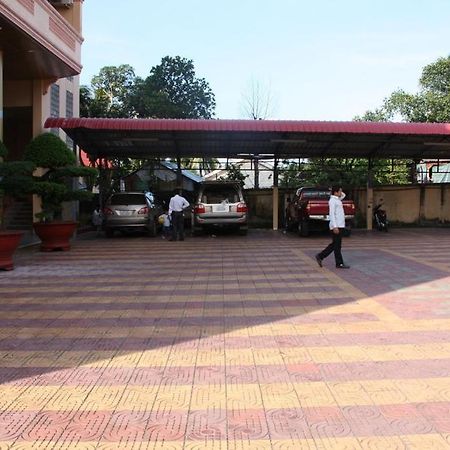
[308, 211]
[220, 204]
[127, 211]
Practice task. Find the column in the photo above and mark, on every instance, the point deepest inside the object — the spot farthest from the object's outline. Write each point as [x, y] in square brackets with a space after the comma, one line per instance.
[179, 174]
[39, 89]
[1, 95]
[369, 196]
[275, 196]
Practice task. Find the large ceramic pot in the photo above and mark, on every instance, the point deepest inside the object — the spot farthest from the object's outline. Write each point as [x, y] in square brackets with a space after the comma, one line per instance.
[9, 241]
[55, 235]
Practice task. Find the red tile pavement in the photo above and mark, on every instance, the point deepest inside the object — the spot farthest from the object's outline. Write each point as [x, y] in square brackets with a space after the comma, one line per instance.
[228, 343]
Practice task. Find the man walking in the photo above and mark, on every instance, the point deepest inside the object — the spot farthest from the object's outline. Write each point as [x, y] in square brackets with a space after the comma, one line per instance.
[337, 227]
[177, 205]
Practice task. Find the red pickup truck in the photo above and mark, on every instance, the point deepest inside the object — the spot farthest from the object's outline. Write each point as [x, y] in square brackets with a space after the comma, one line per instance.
[308, 210]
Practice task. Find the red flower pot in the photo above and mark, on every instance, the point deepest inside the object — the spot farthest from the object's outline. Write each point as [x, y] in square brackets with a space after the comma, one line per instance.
[55, 235]
[9, 241]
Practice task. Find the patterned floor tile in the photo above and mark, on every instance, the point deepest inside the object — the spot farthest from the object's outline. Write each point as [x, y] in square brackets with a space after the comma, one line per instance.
[244, 345]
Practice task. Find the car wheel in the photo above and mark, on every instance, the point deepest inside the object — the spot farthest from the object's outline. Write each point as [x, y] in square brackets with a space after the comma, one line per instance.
[109, 232]
[243, 231]
[195, 231]
[303, 228]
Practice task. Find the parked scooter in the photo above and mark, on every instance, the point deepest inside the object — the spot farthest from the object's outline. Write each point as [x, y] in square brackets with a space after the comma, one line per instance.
[380, 217]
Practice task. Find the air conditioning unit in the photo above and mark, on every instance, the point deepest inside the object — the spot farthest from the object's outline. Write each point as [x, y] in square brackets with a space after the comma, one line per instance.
[65, 3]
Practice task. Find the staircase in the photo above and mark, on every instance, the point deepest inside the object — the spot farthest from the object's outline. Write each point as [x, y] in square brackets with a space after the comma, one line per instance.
[19, 215]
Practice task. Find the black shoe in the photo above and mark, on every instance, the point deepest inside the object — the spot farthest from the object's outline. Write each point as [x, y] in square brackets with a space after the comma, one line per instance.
[342, 266]
[319, 260]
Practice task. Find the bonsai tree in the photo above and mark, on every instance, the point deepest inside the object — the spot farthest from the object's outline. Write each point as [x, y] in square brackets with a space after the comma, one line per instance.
[15, 179]
[54, 186]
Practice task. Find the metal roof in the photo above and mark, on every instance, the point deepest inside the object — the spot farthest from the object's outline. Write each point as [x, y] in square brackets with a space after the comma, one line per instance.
[187, 173]
[145, 138]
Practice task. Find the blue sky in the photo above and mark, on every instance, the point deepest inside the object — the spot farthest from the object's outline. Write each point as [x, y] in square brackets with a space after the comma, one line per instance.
[321, 60]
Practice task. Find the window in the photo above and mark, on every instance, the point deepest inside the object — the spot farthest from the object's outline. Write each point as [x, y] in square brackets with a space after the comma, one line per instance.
[69, 142]
[219, 194]
[54, 101]
[54, 105]
[128, 199]
[69, 104]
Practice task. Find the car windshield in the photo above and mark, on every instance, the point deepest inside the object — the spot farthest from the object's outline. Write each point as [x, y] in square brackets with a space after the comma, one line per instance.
[128, 199]
[316, 194]
[219, 194]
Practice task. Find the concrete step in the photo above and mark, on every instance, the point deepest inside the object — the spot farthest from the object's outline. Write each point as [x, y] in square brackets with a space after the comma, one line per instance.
[19, 216]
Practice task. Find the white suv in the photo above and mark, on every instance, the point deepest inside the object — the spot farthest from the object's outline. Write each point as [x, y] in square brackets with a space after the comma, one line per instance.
[220, 204]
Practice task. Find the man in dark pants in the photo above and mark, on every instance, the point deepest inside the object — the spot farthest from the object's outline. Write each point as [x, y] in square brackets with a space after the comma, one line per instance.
[337, 227]
[176, 207]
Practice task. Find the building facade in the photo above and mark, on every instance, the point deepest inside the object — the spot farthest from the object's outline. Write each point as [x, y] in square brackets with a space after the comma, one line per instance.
[247, 168]
[40, 63]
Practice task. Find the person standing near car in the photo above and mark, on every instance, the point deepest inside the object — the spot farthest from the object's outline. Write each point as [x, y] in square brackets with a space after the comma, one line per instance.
[97, 219]
[337, 227]
[164, 220]
[177, 205]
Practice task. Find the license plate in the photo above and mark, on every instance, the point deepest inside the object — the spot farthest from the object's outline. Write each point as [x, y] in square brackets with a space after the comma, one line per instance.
[124, 213]
[221, 208]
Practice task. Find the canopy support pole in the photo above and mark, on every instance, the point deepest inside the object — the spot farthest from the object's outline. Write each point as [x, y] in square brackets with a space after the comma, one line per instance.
[369, 195]
[275, 196]
[179, 174]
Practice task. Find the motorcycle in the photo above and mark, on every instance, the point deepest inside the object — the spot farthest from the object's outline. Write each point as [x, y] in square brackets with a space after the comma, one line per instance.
[380, 218]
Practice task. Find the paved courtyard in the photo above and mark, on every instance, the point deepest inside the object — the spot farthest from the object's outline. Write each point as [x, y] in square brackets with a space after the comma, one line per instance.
[230, 343]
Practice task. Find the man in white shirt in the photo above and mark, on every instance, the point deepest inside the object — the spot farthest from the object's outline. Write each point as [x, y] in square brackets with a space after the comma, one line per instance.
[177, 205]
[337, 227]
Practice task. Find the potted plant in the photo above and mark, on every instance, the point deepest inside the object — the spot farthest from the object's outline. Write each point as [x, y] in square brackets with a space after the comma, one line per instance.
[53, 184]
[14, 183]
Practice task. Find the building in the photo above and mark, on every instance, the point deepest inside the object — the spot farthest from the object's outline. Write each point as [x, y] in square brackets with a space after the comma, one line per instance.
[162, 178]
[247, 168]
[433, 171]
[40, 60]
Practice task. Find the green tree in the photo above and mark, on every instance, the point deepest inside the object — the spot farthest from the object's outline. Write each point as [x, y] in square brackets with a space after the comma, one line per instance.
[112, 87]
[377, 115]
[109, 92]
[234, 173]
[430, 104]
[350, 172]
[172, 90]
[49, 152]
[200, 165]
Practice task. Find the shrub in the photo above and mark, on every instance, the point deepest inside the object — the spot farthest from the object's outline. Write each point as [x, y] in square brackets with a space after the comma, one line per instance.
[49, 151]
[15, 178]
[54, 186]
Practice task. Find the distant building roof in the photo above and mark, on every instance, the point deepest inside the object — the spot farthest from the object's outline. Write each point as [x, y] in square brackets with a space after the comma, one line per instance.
[187, 173]
[265, 179]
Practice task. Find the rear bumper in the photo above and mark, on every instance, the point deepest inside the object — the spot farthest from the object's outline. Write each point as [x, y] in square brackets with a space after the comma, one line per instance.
[217, 219]
[325, 217]
[124, 222]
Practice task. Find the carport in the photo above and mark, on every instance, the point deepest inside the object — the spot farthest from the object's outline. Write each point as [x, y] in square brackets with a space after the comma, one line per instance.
[257, 139]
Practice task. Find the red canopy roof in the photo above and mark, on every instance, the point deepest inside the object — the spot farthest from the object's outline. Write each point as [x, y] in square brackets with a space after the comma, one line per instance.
[267, 138]
[292, 126]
